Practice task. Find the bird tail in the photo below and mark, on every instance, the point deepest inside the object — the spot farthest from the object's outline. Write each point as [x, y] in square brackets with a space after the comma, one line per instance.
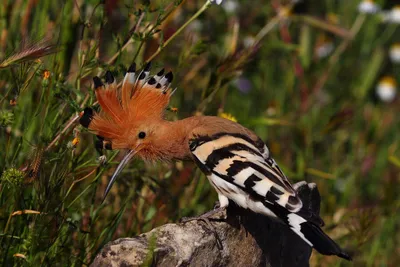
[315, 237]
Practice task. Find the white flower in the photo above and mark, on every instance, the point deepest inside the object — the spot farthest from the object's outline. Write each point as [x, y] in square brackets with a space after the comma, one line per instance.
[392, 16]
[368, 7]
[394, 53]
[248, 41]
[324, 46]
[230, 6]
[324, 50]
[218, 2]
[386, 89]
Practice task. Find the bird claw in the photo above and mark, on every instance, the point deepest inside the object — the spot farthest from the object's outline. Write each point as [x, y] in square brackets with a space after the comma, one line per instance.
[217, 205]
[208, 215]
[211, 214]
[206, 218]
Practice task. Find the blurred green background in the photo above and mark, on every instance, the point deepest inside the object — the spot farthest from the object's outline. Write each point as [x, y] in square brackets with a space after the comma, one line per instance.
[315, 79]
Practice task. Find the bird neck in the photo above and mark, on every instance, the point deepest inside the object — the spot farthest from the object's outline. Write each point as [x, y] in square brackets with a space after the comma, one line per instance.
[174, 136]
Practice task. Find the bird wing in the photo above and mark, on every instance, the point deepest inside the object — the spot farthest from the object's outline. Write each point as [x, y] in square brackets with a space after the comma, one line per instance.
[240, 161]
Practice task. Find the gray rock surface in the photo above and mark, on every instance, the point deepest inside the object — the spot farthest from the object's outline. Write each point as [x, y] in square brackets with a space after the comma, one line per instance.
[247, 239]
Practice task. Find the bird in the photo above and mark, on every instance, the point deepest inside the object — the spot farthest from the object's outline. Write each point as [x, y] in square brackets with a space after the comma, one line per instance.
[235, 160]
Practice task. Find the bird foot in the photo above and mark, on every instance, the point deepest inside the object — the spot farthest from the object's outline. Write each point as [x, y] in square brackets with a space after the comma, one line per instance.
[209, 215]
[207, 218]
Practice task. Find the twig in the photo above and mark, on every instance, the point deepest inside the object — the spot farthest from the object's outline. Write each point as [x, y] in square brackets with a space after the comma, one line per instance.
[267, 28]
[66, 128]
[70, 123]
[161, 47]
[128, 41]
[79, 180]
[319, 23]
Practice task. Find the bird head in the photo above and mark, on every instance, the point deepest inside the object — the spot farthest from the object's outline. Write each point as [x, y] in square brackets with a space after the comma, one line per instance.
[130, 116]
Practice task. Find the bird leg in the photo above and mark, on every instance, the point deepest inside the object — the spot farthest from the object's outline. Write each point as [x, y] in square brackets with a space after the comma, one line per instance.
[208, 215]
[217, 209]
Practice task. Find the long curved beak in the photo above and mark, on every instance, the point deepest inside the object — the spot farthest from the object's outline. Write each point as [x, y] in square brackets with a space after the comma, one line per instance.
[120, 167]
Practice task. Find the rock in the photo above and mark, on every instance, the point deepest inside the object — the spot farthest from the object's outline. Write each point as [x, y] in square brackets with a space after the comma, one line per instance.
[247, 239]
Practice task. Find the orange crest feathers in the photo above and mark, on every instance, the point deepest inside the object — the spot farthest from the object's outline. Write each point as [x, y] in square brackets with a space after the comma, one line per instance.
[141, 98]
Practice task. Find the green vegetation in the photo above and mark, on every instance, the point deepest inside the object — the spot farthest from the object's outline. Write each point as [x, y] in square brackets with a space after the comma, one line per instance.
[302, 77]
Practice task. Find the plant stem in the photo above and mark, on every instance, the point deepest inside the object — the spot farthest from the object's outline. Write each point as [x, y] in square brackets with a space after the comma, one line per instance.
[161, 47]
[266, 29]
[334, 59]
[128, 42]
[323, 25]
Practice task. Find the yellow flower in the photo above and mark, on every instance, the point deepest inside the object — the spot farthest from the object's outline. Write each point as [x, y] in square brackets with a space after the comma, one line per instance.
[284, 12]
[13, 102]
[173, 109]
[46, 74]
[228, 116]
[332, 18]
[75, 141]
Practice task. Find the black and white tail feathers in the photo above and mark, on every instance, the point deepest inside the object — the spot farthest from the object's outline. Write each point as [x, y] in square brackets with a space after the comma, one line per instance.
[321, 241]
[309, 231]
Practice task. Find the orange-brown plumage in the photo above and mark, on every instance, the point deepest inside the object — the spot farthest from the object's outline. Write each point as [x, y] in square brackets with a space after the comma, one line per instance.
[138, 104]
[139, 107]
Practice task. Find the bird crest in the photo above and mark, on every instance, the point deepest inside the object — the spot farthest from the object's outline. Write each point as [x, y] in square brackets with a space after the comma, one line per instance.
[141, 98]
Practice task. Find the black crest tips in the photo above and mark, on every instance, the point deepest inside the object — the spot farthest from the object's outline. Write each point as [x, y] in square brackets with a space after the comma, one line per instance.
[109, 77]
[160, 73]
[89, 111]
[152, 81]
[86, 117]
[169, 76]
[107, 145]
[147, 67]
[142, 75]
[103, 144]
[97, 82]
[132, 68]
[98, 144]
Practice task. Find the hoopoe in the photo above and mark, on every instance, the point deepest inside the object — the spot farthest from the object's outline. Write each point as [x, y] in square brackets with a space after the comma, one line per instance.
[235, 160]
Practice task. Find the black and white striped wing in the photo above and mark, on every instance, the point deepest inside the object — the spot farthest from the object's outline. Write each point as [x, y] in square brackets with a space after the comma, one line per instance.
[236, 165]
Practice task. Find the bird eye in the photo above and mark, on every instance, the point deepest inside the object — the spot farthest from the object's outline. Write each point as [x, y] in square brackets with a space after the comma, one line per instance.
[142, 135]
